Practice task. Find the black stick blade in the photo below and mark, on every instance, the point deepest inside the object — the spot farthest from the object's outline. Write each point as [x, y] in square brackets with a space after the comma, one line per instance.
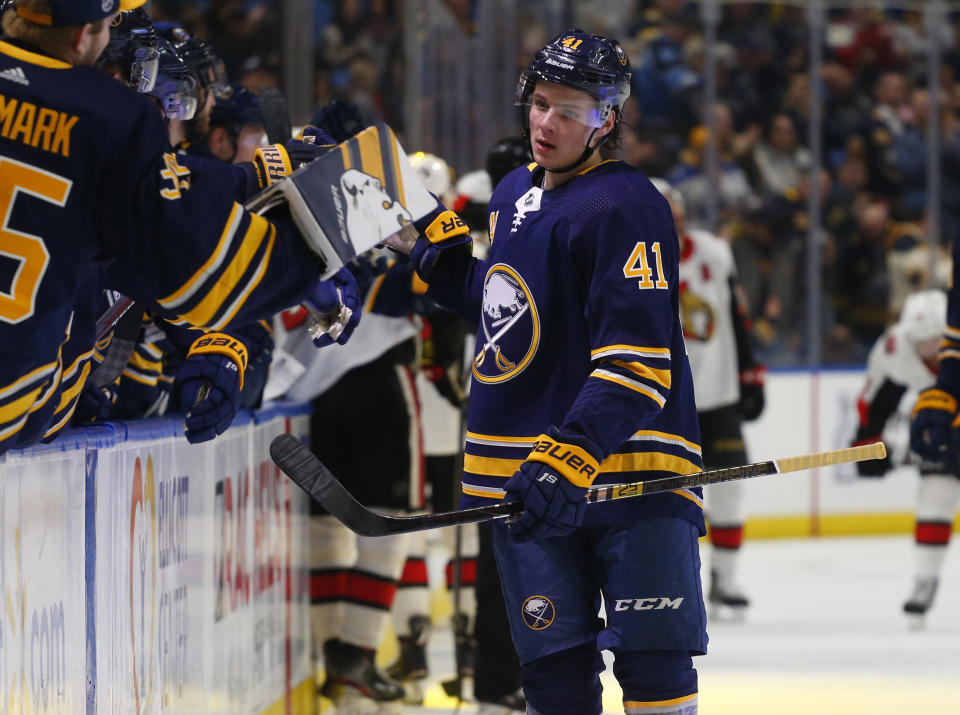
[303, 467]
[275, 115]
[308, 472]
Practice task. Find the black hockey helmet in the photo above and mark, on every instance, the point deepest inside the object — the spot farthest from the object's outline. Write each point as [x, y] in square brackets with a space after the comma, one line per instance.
[583, 61]
[237, 111]
[132, 50]
[199, 57]
[176, 89]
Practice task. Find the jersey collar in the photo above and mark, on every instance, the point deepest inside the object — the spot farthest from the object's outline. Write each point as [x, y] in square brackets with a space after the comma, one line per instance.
[25, 52]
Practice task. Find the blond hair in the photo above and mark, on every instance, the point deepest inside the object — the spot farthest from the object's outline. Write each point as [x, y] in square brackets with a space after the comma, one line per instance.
[49, 38]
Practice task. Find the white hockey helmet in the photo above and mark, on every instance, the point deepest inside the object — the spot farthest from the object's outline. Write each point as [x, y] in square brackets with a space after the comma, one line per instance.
[924, 315]
[669, 192]
[434, 172]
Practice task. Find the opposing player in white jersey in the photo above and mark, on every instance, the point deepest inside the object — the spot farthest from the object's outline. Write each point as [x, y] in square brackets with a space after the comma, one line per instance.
[727, 382]
[904, 360]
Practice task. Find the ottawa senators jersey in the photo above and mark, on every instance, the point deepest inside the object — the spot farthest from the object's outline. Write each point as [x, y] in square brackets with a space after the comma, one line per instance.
[576, 314]
[707, 312]
[92, 197]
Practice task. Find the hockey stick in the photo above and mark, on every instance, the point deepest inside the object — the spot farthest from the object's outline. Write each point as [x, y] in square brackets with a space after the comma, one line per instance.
[303, 467]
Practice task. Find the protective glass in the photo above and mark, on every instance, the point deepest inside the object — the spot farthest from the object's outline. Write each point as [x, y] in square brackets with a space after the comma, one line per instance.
[144, 68]
[584, 109]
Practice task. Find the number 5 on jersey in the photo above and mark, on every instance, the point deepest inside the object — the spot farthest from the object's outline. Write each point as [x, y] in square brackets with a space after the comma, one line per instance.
[638, 266]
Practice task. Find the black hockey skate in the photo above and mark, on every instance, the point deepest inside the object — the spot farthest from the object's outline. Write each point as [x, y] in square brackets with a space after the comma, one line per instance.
[411, 666]
[726, 599]
[351, 671]
[920, 600]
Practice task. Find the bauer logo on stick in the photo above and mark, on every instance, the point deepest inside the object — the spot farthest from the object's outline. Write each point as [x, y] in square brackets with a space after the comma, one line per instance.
[538, 613]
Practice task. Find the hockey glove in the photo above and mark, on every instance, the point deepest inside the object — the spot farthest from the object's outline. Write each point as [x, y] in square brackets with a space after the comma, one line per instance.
[94, 404]
[274, 162]
[933, 424]
[751, 392]
[440, 230]
[334, 306]
[552, 484]
[209, 383]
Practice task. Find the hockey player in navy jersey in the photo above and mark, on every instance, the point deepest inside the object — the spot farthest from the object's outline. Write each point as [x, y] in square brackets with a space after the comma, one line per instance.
[580, 377]
[92, 197]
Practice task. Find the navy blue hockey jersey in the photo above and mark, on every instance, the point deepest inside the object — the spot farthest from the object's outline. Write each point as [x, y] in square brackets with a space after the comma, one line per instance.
[92, 197]
[578, 327]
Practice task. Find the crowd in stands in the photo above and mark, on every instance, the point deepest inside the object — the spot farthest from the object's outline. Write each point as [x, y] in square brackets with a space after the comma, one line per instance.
[873, 83]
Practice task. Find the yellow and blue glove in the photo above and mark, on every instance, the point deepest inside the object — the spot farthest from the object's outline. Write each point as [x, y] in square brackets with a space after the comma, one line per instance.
[208, 385]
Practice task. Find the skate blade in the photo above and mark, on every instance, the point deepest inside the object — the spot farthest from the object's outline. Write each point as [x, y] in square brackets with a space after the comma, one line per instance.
[917, 621]
[724, 613]
[412, 692]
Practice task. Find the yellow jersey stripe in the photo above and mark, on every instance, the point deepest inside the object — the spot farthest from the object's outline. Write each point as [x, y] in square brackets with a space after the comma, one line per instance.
[14, 428]
[952, 333]
[491, 466]
[476, 491]
[16, 408]
[144, 379]
[651, 704]
[63, 422]
[630, 385]
[210, 266]
[34, 375]
[32, 57]
[139, 362]
[658, 353]
[68, 373]
[252, 283]
[374, 291]
[71, 392]
[661, 377]
[666, 437]
[495, 439]
[204, 312]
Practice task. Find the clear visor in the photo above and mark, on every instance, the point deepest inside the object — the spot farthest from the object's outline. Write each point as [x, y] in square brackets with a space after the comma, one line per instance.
[581, 108]
[144, 69]
[179, 97]
[221, 85]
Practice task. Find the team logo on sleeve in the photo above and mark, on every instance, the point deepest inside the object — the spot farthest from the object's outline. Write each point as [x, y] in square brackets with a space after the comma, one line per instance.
[510, 326]
[696, 316]
[538, 613]
[370, 209]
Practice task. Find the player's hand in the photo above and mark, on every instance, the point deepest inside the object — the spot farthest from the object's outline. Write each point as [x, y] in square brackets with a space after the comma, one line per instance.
[752, 392]
[440, 230]
[94, 403]
[335, 307]
[933, 425]
[208, 385]
[311, 143]
[552, 484]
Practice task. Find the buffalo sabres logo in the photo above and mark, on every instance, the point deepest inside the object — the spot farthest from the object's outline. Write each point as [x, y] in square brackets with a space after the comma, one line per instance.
[370, 209]
[538, 612]
[511, 326]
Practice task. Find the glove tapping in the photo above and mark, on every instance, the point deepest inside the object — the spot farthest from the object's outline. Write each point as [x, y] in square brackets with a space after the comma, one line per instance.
[209, 383]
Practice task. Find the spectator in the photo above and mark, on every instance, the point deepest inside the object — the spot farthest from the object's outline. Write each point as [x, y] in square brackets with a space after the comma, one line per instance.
[778, 160]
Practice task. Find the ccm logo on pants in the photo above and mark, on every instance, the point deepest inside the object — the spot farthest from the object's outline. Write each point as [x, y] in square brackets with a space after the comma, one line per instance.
[654, 603]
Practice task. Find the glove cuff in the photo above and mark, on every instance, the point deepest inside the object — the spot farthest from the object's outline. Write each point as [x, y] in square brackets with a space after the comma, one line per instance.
[935, 399]
[271, 163]
[221, 344]
[573, 461]
[445, 226]
[753, 375]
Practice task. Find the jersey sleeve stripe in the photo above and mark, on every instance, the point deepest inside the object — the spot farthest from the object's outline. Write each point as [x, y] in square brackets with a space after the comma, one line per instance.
[630, 384]
[141, 377]
[661, 377]
[251, 285]
[72, 392]
[476, 491]
[648, 461]
[204, 312]
[501, 440]
[667, 438]
[34, 375]
[630, 351]
[952, 333]
[950, 354]
[490, 466]
[186, 291]
[16, 408]
[140, 362]
[373, 292]
[63, 421]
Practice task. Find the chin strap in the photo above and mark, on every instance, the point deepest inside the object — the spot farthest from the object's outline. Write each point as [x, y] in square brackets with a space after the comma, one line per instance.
[587, 151]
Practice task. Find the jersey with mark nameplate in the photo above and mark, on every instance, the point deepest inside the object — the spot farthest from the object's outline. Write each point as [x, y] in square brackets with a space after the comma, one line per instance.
[578, 327]
[93, 197]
